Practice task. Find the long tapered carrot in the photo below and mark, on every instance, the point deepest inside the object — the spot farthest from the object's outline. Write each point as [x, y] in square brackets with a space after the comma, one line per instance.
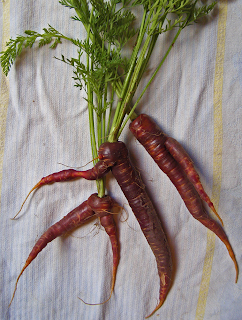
[73, 219]
[98, 171]
[154, 141]
[134, 191]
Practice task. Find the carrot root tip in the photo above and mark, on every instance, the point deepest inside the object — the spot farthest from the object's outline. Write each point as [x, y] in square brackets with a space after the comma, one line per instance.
[156, 308]
[95, 304]
[217, 215]
[35, 187]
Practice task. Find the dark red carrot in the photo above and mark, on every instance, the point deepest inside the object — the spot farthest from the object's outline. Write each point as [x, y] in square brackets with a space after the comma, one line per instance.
[143, 125]
[154, 141]
[114, 156]
[98, 171]
[181, 156]
[72, 220]
[133, 189]
[103, 208]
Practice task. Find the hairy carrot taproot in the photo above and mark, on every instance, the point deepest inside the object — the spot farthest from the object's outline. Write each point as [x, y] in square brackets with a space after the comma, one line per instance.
[94, 206]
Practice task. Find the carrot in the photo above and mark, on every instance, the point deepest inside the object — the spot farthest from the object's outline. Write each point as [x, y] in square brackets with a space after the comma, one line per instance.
[116, 154]
[176, 151]
[98, 171]
[72, 220]
[155, 142]
[103, 207]
[181, 156]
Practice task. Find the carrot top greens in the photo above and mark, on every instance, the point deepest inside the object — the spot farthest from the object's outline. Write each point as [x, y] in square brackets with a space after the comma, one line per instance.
[103, 67]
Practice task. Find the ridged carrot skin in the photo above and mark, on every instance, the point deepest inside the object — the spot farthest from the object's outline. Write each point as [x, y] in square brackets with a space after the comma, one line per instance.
[155, 142]
[103, 208]
[97, 172]
[72, 220]
[100, 207]
[133, 188]
[181, 156]
[162, 147]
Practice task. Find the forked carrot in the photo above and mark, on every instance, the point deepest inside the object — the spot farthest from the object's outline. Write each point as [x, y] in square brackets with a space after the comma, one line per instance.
[181, 156]
[155, 142]
[94, 206]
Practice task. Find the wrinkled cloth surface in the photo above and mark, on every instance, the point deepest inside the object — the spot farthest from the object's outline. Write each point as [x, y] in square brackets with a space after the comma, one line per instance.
[195, 98]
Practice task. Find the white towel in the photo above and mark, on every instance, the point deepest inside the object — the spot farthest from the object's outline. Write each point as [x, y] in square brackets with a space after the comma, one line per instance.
[195, 98]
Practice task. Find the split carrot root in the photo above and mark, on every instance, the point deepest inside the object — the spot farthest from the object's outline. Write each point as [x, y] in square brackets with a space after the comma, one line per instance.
[181, 156]
[161, 148]
[177, 165]
[94, 206]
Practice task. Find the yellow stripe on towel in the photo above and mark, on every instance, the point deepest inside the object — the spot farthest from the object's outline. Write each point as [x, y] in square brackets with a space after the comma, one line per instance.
[4, 86]
[217, 156]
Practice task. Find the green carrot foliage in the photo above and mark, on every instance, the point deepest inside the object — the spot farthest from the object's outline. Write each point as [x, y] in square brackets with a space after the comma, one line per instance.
[102, 67]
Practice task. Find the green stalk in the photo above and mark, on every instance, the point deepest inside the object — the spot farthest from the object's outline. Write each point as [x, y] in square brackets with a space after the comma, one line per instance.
[142, 60]
[149, 82]
[101, 182]
[126, 82]
[131, 90]
[90, 102]
[137, 66]
[110, 112]
[99, 130]
[142, 71]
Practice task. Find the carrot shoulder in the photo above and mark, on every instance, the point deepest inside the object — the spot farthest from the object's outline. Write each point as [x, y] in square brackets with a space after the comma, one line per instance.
[132, 186]
[155, 142]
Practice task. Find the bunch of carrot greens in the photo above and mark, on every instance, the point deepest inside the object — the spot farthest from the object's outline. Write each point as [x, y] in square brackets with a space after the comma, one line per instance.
[104, 72]
[110, 77]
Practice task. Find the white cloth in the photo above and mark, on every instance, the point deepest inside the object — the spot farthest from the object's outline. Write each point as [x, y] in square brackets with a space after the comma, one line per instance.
[195, 98]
